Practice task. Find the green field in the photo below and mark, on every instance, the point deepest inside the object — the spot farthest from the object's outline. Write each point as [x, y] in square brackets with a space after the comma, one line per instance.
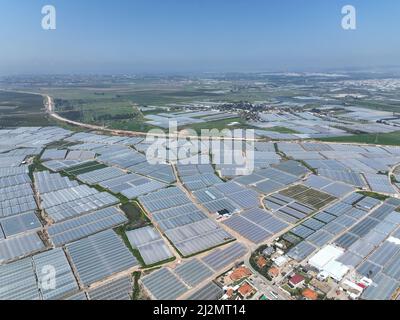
[115, 105]
[61, 144]
[114, 102]
[85, 168]
[282, 130]
[378, 105]
[375, 195]
[135, 214]
[22, 109]
[130, 125]
[219, 125]
[137, 219]
[392, 139]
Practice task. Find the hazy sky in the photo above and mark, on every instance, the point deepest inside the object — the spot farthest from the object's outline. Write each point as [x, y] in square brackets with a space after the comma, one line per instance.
[124, 36]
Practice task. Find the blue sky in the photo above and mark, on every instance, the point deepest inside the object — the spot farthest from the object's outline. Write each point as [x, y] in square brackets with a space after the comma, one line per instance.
[127, 36]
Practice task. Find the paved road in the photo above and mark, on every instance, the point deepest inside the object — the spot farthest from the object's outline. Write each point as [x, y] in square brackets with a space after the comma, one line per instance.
[259, 281]
[50, 110]
[262, 285]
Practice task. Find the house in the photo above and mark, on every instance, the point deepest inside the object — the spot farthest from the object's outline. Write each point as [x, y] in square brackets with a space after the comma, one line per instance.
[309, 294]
[240, 273]
[296, 281]
[353, 289]
[322, 276]
[273, 272]
[322, 286]
[246, 290]
[229, 293]
[280, 261]
[268, 251]
[261, 262]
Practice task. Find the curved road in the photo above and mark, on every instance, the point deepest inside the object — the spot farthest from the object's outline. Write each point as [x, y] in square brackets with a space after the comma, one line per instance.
[49, 105]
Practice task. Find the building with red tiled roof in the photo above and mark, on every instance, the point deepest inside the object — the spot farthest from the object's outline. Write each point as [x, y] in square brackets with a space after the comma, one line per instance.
[296, 281]
[261, 262]
[246, 289]
[310, 294]
[240, 273]
[273, 272]
[229, 292]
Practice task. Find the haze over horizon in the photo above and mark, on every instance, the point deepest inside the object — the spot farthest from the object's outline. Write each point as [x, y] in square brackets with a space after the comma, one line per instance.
[155, 36]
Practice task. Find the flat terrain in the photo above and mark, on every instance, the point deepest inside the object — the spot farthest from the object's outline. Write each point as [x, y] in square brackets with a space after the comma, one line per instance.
[135, 214]
[392, 138]
[22, 109]
[232, 123]
[116, 104]
[85, 168]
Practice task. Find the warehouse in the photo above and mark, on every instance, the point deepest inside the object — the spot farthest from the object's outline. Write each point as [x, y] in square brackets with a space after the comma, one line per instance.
[325, 261]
